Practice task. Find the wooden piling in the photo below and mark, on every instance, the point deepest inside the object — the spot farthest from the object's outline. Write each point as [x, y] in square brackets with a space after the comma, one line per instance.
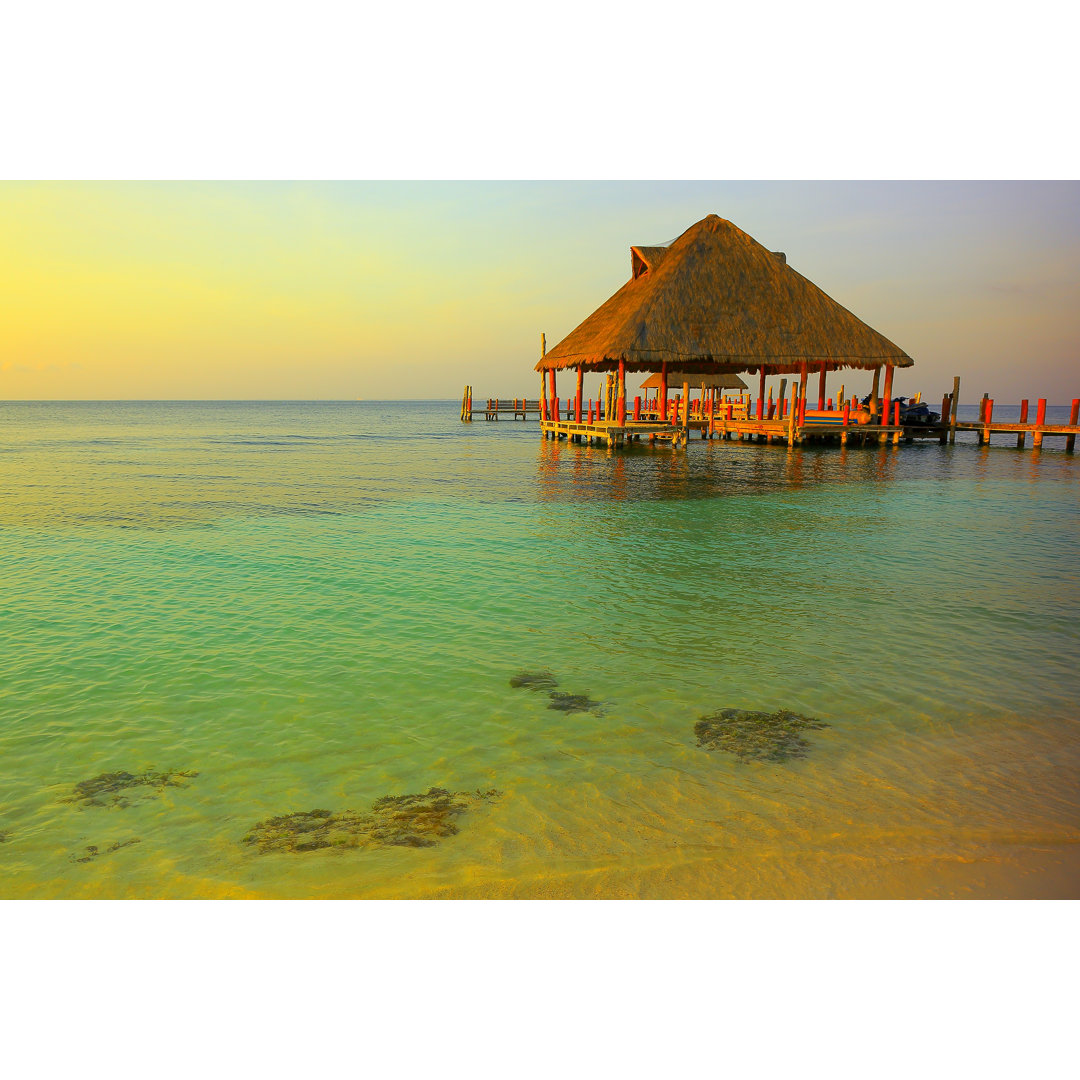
[1040, 420]
[621, 417]
[955, 409]
[1074, 416]
[988, 417]
[821, 388]
[1023, 420]
[886, 405]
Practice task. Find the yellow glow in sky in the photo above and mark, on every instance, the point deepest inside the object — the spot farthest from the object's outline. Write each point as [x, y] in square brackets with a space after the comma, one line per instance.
[410, 290]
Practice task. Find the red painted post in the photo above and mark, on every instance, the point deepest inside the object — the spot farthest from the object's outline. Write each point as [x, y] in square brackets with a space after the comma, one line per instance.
[847, 412]
[551, 385]
[802, 411]
[760, 408]
[772, 406]
[830, 405]
[886, 410]
[1040, 420]
[577, 400]
[896, 414]
[730, 408]
[1074, 415]
[783, 406]
[637, 409]
[988, 417]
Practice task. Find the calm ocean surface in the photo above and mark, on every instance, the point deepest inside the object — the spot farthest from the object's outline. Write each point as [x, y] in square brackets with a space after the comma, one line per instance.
[315, 605]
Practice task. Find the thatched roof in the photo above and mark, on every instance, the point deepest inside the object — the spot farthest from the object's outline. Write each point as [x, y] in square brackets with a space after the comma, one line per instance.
[716, 300]
[723, 381]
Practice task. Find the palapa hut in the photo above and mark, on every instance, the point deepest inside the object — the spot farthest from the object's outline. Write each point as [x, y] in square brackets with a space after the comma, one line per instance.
[717, 302]
[721, 381]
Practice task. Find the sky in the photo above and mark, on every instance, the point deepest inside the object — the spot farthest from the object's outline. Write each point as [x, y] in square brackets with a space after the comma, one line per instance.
[396, 290]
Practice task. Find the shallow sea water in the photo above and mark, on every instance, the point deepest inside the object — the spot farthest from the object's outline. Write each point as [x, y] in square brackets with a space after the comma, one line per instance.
[317, 605]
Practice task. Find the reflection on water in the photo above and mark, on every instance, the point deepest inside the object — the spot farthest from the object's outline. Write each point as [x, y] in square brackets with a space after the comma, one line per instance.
[320, 607]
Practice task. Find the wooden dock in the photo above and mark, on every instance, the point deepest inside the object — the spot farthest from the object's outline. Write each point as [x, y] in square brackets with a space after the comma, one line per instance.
[614, 434]
[493, 408]
[780, 421]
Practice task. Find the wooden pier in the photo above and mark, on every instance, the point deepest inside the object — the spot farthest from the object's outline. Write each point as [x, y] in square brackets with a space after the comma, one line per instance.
[515, 408]
[610, 423]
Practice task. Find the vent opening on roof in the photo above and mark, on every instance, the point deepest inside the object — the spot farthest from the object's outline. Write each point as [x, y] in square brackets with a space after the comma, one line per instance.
[643, 259]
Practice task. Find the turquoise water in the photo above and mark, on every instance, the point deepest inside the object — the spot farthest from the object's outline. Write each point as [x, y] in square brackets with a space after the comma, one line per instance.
[317, 605]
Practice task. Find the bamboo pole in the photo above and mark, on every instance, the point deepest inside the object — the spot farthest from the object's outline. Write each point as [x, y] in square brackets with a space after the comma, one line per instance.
[803, 371]
[875, 411]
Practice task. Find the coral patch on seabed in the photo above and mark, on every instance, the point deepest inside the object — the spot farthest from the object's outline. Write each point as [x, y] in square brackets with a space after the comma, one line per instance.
[756, 736]
[394, 821]
[92, 850]
[534, 680]
[573, 702]
[544, 680]
[105, 789]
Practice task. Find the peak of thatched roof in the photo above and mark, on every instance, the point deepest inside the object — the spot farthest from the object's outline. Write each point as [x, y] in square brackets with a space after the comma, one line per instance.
[724, 380]
[715, 300]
